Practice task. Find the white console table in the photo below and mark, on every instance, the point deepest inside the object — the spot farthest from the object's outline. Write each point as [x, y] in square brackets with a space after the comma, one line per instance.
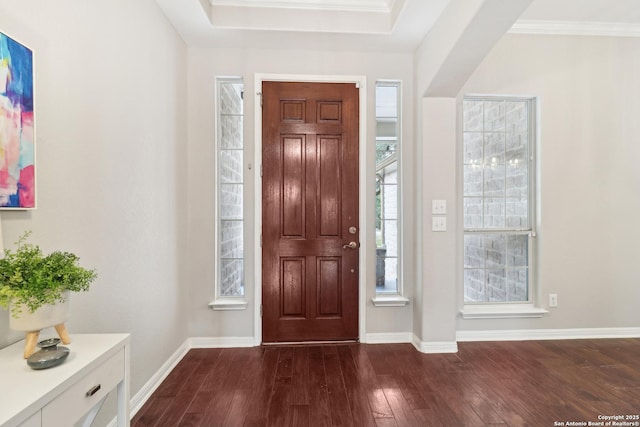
[62, 395]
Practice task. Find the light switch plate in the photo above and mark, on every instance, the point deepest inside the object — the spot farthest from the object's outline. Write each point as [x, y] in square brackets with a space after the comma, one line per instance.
[438, 207]
[439, 223]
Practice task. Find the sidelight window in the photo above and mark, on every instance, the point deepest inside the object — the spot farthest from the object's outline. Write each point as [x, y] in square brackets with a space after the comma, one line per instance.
[387, 187]
[230, 188]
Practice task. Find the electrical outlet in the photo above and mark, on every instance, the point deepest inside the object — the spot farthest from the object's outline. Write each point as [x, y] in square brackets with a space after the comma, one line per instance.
[553, 300]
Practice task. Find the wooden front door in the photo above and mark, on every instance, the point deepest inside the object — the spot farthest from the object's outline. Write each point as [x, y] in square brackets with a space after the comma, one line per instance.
[309, 212]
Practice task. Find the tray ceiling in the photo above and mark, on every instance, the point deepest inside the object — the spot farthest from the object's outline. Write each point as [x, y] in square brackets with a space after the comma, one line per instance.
[323, 16]
[371, 25]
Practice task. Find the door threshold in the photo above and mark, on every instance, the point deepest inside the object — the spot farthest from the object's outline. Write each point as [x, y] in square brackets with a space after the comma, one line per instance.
[302, 343]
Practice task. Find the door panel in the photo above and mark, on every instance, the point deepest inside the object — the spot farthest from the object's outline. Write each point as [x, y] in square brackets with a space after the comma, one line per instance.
[293, 290]
[293, 184]
[310, 199]
[329, 202]
[329, 286]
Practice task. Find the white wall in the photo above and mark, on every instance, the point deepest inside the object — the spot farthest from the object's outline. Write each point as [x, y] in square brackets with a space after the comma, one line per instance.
[436, 325]
[589, 205]
[204, 66]
[462, 36]
[111, 164]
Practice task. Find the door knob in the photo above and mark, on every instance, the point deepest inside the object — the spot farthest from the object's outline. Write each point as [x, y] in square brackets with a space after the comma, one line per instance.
[350, 245]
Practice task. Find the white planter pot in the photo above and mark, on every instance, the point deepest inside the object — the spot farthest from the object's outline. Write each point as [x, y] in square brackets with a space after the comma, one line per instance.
[44, 317]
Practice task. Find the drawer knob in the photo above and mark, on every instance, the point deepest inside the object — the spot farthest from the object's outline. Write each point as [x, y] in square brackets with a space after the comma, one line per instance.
[93, 390]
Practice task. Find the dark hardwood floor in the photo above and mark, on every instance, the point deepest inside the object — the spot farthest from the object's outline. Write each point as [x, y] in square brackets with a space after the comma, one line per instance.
[532, 383]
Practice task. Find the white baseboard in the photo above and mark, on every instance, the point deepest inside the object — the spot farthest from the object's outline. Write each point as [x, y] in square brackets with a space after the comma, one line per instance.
[221, 342]
[547, 334]
[408, 337]
[435, 346]
[141, 397]
[154, 382]
[388, 338]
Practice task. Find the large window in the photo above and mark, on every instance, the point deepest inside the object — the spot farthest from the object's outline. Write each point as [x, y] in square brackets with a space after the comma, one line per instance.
[387, 187]
[230, 187]
[499, 198]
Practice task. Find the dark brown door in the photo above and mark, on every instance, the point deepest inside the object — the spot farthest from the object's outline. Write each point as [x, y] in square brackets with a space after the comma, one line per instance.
[310, 212]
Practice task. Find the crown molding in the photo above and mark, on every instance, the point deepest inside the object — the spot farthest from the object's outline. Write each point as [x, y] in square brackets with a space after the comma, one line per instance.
[575, 28]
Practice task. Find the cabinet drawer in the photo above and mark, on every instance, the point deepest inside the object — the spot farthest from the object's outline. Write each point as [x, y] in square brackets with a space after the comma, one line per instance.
[76, 401]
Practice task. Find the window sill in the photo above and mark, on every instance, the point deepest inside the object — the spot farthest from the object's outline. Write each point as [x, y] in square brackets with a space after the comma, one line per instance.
[500, 311]
[390, 301]
[228, 304]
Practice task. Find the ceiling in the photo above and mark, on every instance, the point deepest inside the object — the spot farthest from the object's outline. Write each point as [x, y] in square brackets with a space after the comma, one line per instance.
[368, 25]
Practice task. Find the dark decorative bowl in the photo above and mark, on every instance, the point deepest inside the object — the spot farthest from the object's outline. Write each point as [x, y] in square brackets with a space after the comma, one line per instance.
[49, 355]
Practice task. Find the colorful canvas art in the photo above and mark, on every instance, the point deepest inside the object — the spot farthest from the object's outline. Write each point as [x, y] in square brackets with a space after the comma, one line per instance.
[17, 151]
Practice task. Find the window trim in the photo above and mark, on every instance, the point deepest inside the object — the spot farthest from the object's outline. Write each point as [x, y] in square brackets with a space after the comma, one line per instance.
[502, 311]
[224, 302]
[397, 298]
[532, 308]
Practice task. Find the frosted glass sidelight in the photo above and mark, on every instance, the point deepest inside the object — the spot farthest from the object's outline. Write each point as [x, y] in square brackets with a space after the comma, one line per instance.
[230, 188]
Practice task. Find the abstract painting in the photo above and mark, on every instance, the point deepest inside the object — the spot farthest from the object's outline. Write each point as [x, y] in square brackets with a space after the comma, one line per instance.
[17, 150]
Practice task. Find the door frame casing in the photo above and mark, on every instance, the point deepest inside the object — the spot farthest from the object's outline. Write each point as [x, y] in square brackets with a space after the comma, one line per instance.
[363, 170]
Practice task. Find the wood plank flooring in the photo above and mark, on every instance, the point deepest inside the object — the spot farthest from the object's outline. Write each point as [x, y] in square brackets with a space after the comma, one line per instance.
[530, 383]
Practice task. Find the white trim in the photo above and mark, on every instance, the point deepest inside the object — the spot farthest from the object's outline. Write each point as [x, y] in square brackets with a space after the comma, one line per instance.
[154, 382]
[548, 334]
[220, 342]
[361, 83]
[501, 311]
[573, 28]
[228, 304]
[340, 5]
[389, 338]
[382, 300]
[434, 346]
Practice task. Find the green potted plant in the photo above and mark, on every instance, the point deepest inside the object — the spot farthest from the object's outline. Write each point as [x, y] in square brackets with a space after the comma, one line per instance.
[35, 287]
